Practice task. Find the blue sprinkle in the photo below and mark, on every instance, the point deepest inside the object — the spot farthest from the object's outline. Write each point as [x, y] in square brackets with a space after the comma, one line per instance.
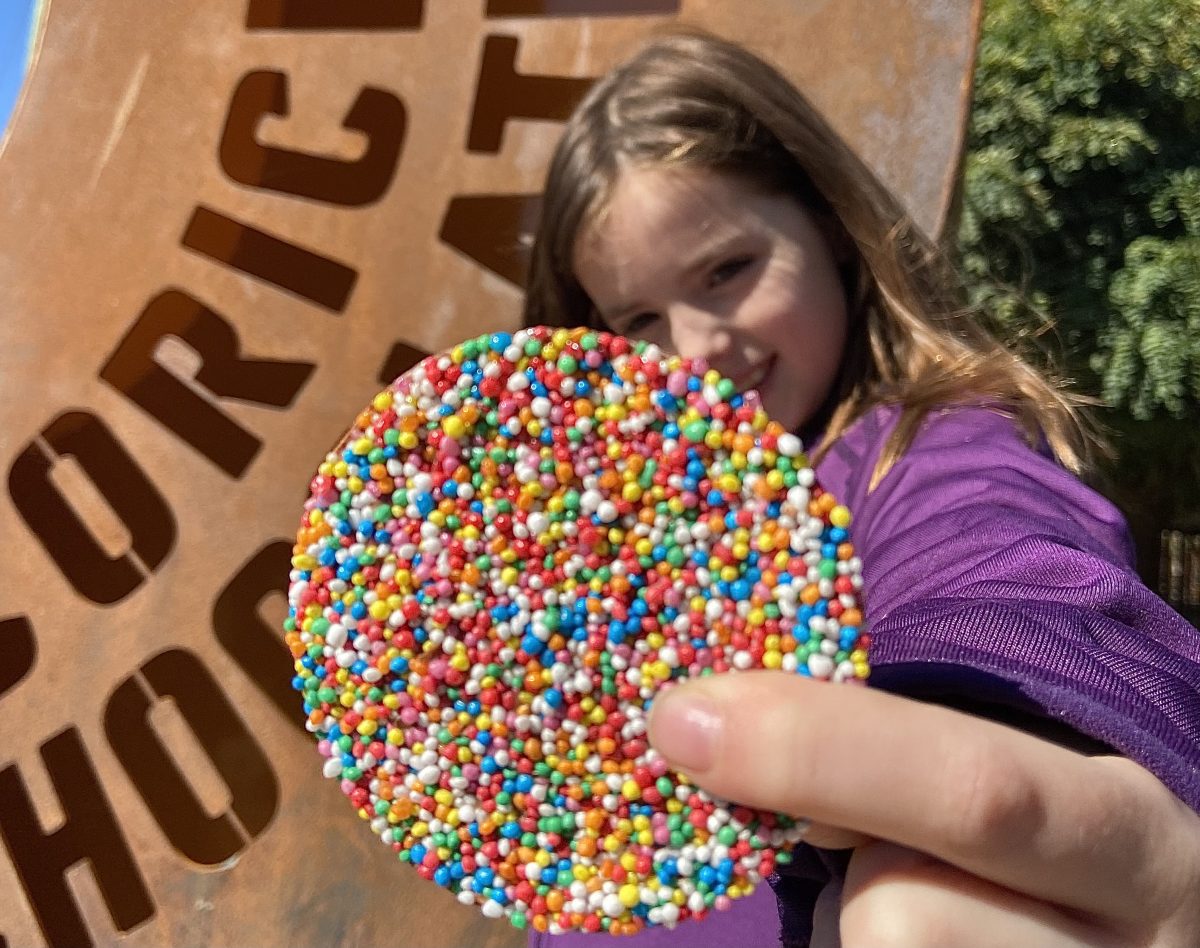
[532, 646]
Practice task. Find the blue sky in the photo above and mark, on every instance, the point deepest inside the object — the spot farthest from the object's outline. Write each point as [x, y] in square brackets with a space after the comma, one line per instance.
[16, 19]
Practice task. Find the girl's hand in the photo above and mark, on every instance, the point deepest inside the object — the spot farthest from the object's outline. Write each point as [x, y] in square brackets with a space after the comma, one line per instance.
[967, 833]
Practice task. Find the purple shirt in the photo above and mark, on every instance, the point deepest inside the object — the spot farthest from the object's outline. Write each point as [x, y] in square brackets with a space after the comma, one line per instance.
[993, 579]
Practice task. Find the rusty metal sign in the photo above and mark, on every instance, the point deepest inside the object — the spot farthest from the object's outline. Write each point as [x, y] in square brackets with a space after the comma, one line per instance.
[223, 227]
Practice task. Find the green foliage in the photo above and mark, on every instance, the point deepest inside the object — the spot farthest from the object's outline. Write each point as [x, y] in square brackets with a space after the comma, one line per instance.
[1081, 203]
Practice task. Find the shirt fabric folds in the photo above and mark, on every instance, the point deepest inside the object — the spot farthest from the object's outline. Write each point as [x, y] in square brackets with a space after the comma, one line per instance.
[993, 579]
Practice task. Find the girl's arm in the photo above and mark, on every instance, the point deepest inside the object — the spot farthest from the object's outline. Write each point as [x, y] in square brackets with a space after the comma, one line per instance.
[997, 582]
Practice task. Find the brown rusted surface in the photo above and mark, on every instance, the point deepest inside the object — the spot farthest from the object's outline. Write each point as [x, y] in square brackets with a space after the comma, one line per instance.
[223, 226]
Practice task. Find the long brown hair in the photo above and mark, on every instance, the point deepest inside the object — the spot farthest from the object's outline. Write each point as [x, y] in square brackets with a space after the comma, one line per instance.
[689, 99]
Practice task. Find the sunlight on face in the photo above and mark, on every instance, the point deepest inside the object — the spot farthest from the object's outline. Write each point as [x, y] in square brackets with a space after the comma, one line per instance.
[707, 266]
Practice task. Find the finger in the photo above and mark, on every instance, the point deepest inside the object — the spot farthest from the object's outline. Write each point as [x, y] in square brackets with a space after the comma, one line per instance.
[824, 836]
[894, 897]
[1009, 807]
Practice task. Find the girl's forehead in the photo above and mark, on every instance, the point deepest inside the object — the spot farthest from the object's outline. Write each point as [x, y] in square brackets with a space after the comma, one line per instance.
[665, 200]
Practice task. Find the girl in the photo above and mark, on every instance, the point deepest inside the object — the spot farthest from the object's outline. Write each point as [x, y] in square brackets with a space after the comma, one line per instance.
[1042, 790]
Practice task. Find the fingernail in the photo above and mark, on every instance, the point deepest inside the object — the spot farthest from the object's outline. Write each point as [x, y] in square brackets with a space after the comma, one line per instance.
[686, 730]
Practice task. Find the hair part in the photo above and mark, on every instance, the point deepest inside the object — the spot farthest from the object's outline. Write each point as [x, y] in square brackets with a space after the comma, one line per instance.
[691, 100]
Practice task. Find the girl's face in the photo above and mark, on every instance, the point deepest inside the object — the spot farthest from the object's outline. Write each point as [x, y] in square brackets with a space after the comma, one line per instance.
[703, 264]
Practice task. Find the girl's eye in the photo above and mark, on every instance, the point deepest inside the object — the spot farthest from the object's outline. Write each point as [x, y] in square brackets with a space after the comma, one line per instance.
[638, 323]
[727, 270]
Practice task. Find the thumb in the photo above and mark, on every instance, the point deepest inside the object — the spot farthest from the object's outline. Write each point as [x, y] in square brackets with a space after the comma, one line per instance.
[757, 737]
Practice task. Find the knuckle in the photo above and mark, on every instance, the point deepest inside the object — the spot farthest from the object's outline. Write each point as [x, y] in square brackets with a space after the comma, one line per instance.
[992, 803]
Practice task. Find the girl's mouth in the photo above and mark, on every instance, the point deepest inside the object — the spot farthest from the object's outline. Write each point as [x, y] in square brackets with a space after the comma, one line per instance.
[756, 377]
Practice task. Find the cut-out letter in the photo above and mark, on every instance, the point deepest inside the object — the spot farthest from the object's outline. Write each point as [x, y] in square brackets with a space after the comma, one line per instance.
[20, 651]
[379, 115]
[503, 93]
[285, 265]
[491, 229]
[89, 833]
[254, 792]
[253, 643]
[102, 578]
[133, 370]
[340, 15]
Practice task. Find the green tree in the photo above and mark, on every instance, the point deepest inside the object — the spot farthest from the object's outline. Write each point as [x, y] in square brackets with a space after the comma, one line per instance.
[1081, 212]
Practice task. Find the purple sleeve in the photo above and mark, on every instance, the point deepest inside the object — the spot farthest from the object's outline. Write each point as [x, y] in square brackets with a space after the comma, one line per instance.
[752, 920]
[992, 575]
[992, 578]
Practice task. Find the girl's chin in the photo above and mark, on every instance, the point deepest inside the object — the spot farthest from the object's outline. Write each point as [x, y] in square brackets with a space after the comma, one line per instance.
[785, 411]
[780, 406]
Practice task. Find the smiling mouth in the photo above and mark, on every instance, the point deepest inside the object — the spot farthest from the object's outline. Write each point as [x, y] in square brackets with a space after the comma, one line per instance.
[756, 376]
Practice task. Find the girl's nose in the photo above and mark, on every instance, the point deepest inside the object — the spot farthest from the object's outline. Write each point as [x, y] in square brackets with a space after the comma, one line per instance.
[697, 334]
